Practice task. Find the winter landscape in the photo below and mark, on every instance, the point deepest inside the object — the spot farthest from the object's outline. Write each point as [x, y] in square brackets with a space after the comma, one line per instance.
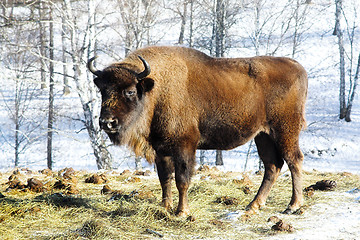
[78, 30]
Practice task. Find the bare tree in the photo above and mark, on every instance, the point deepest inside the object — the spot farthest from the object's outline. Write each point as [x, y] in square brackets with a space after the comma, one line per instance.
[137, 18]
[18, 104]
[219, 32]
[20, 93]
[185, 10]
[138, 165]
[219, 28]
[275, 24]
[346, 56]
[213, 24]
[299, 16]
[191, 23]
[258, 5]
[81, 46]
[51, 91]
[339, 35]
[183, 16]
[180, 9]
[353, 91]
[202, 157]
[66, 88]
[42, 31]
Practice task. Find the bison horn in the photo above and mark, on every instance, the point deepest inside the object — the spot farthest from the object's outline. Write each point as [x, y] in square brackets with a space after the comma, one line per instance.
[146, 71]
[90, 66]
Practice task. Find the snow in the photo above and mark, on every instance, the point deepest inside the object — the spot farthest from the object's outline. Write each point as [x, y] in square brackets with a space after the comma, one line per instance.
[338, 219]
[328, 144]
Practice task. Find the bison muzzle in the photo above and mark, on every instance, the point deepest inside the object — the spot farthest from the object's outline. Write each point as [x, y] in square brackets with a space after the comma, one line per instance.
[188, 100]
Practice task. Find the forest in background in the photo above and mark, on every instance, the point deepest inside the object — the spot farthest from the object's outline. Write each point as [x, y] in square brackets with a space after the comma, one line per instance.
[48, 96]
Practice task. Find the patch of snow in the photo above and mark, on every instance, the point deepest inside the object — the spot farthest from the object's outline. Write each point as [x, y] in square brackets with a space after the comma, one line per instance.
[233, 216]
[325, 221]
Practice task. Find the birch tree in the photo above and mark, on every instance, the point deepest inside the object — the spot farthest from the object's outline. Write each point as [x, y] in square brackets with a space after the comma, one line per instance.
[186, 11]
[42, 37]
[213, 24]
[300, 18]
[137, 18]
[81, 47]
[19, 100]
[347, 59]
[51, 91]
[180, 9]
[19, 93]
[339, 34]
[274, 25]
[219, 32]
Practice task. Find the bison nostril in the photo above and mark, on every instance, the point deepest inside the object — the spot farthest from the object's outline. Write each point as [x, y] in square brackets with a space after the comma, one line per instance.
[108, 123]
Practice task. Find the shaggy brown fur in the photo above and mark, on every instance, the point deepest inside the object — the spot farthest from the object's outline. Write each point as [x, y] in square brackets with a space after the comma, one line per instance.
[191, 101]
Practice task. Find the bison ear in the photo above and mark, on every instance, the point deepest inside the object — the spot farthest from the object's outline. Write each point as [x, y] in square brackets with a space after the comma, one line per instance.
[97, 82]
[147, 84]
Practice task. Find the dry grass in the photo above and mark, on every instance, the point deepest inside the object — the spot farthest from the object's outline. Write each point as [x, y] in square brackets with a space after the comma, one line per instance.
[88, 214]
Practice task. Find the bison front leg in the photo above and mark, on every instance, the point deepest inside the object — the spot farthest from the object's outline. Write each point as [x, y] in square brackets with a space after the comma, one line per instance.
[165, 168]
[184, 168]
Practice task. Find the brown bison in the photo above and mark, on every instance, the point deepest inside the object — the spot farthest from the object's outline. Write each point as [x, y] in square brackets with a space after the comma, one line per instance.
[166, 102]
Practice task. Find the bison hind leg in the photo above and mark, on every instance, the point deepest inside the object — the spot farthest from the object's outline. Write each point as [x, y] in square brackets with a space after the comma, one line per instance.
[294, 161]
[273, 162]
[288, 142]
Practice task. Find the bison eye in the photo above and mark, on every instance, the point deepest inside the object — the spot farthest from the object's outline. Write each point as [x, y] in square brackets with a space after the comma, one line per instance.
[129, 93]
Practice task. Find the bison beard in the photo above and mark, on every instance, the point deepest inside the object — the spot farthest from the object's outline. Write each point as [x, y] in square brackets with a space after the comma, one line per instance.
[190, 101]
[132, 135]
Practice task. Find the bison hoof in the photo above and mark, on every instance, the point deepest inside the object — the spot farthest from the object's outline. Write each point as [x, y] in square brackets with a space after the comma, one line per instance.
[182, 213]
[253, 207]
[288, 211]
[250, 211]
[167, 206]
[291, 210]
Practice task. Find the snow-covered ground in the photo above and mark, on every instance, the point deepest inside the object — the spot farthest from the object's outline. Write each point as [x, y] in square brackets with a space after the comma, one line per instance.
[338, 218]
[329, 144]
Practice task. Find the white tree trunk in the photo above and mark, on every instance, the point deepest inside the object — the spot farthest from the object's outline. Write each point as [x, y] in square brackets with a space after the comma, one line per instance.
[352, 96]
[339, 35]
[85, 87]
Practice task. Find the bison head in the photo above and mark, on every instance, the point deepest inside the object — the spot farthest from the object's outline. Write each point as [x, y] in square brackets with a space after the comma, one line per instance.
[122, 90]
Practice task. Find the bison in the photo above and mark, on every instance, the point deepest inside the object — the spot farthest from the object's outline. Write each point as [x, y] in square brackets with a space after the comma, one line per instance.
[166, 102]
